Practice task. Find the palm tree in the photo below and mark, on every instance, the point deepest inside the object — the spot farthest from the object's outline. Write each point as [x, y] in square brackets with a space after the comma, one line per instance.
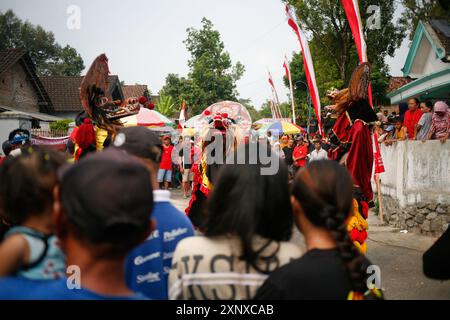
[166, 106]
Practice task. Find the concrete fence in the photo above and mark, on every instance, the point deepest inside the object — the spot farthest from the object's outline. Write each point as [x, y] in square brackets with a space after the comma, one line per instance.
[416, 185]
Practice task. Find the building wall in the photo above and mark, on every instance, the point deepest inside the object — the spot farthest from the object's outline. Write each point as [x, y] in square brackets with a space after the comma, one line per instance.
[16, 91]
[416, 185]
[66, 114]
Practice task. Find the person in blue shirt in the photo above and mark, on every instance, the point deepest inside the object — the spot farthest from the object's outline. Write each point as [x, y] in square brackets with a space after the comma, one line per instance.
[101, 211]
[148, 265]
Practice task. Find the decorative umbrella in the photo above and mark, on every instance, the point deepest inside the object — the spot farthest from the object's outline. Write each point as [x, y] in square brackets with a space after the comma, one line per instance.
[192, 122]
[281, 127]
[147, 118]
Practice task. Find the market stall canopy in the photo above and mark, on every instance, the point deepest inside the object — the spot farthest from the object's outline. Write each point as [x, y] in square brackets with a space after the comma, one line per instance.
[147, 118]
[281, 127]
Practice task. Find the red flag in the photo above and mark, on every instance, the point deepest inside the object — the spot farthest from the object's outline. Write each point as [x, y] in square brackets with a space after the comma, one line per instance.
[351, 8]
[308, 65]
[286, 68]
[379, 165]
[182, 117]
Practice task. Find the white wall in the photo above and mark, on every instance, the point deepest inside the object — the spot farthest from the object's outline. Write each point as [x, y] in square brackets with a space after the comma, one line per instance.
[417, 172]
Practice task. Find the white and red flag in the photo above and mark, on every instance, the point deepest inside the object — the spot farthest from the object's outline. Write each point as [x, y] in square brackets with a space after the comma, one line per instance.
[277, 102]
[351, 8]
[288, 76]
[308, 65]
[182, 118]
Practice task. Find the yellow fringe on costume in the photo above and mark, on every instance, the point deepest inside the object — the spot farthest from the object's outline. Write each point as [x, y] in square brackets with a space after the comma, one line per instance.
[358, 222]
[100, 137]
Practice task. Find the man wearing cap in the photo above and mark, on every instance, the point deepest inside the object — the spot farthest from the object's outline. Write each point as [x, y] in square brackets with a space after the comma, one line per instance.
[101, 211]
[165, 167]
[147, 266]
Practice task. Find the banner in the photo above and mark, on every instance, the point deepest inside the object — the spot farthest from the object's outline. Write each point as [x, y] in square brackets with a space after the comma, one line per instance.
[308, 65]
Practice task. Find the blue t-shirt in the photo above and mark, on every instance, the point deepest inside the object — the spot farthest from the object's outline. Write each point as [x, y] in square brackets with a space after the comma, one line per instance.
[47, 261]
[148, 265]
[19, 288]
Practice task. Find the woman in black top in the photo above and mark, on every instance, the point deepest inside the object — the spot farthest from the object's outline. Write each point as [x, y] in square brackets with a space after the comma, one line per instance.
[333, 267]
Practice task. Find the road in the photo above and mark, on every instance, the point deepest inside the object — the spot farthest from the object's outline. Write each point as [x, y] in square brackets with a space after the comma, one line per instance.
[398, 255]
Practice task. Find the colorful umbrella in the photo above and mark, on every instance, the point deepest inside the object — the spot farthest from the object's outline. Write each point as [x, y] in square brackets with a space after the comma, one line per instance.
[192, 122]
[147, 118]
[281, 127]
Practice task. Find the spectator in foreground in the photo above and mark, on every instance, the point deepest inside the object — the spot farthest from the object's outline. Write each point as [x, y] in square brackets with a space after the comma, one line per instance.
[101, 212]
[332, 268]
[440, 123]
[423, 126]
[147, 266]
[249, 223]
[412, 117]
[165, 167]
[30, 248]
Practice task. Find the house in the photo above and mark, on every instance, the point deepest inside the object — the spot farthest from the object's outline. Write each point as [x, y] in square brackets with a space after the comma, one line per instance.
[24, 102]
[64, 92]
[428, 62]
[134, 91]
[20, 87]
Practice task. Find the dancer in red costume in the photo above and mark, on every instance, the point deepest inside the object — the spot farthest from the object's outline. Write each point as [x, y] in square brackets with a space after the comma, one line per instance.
[228, 121]
[352, 140]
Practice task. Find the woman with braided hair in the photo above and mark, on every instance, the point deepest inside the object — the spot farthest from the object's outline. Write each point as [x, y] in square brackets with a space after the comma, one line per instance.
[333, 268]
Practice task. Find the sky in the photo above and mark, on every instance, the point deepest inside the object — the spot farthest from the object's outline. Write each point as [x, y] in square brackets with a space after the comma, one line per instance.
[143, 39]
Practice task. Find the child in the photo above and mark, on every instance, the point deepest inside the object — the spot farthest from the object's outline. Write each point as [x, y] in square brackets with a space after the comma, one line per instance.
[29, 249]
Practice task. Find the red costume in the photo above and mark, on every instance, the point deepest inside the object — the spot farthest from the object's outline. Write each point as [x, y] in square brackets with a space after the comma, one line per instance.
[352, 142]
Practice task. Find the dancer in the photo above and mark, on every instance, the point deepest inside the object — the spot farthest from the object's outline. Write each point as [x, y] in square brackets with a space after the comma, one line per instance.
[352, 146]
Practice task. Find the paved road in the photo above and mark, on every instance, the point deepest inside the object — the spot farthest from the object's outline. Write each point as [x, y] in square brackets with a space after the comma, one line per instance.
[398, 255]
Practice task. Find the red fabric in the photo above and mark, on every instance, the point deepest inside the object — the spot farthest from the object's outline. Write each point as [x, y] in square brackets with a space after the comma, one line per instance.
[309, 68]
[364, 209]
[411, 119]
[300, 151]
[85, 135]
[379, 165]
[360, 157]
[74, 134]
[166, 158]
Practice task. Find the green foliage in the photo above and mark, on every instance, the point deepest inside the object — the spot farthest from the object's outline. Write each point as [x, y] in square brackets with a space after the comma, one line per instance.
[166, 106]
[416, 10]
[212, 76]
[334, 51]
[49, 57]
[61, 125]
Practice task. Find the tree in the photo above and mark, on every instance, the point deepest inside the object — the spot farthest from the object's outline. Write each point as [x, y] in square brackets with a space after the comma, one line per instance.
[165, 105]
[333, 48]
[425, 10]
[212, 76]
[48, 56]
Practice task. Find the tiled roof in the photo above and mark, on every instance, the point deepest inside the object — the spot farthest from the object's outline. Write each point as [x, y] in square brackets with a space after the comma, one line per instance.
[9, 58]
[442, 29]
[397, 82]
[133, 91]
[65, 91]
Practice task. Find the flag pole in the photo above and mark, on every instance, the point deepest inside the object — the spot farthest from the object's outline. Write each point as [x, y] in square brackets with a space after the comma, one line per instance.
[292, 91]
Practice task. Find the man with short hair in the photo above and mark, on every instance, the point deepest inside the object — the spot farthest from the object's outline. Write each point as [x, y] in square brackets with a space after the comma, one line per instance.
[412, 117]
[318, 153]
[147, 266]
[300, 153]
[165, 167]
[101, 211]
[288, 152]
[186, 161]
